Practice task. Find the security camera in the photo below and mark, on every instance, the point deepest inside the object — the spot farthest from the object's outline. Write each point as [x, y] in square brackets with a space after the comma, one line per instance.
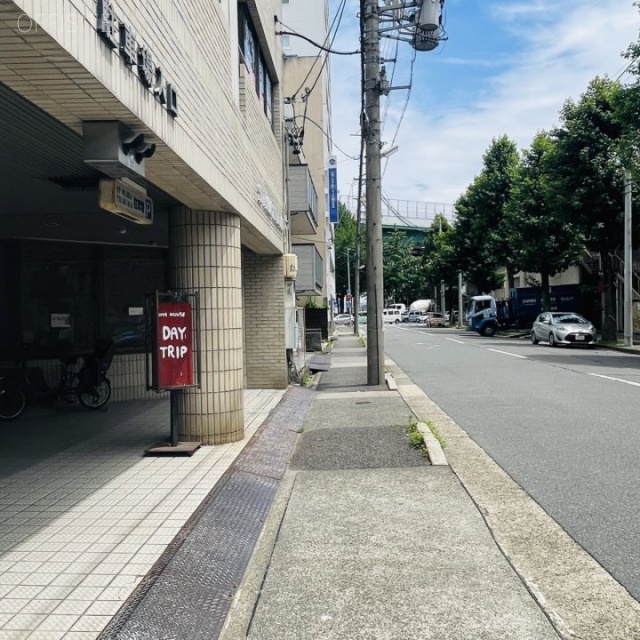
[130, 145]
[138, 147]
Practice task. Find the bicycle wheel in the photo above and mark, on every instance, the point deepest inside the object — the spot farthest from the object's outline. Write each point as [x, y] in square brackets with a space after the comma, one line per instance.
[12, 403]
[97, 397]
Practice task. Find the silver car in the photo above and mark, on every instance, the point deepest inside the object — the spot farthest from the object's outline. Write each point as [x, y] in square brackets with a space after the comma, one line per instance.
[435, 320]
[556, 327]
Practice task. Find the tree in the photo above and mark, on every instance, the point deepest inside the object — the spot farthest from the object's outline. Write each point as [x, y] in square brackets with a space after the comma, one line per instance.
[479, 240]
[403, 278]
[345, 245]
[439, 261]
[589, 177]
[541, 240]
[627, 112]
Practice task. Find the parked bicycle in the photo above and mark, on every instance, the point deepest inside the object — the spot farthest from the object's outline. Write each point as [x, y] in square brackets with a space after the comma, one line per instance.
[89, 385]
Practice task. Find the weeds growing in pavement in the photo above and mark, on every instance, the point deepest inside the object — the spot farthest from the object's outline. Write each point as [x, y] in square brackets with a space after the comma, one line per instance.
[437, 435]
[416, 439]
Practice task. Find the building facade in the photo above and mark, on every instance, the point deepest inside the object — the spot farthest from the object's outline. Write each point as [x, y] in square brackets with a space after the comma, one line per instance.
[307, 113]
[178, 106]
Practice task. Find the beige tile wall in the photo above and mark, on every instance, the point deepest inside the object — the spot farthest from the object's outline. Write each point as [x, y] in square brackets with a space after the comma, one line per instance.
[204, 256]
[264, 336]
[215, 153]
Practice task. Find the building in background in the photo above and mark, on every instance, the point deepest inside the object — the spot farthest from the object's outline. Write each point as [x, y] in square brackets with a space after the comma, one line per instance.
[107, 104]
[307, 113]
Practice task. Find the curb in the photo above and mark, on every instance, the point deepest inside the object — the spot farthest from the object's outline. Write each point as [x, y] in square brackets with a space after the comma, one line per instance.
[434, 448]
[417, 401]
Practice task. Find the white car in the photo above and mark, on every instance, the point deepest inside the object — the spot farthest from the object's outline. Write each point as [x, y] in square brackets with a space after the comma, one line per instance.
[344, 319]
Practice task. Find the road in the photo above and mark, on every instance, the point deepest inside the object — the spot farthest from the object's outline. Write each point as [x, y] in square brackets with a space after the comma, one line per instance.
[563, 423]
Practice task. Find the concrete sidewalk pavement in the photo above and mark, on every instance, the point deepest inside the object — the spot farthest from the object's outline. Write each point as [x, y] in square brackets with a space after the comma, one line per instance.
[367, 539]
[358, 535]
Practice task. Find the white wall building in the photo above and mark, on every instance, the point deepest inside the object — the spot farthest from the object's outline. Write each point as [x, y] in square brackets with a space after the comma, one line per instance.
[307, 90]
[200, 80]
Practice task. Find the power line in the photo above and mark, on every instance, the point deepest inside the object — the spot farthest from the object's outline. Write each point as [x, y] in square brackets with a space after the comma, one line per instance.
[328, 40]
[404, 109]
[328, 137]
[315, 44]
[634, 60]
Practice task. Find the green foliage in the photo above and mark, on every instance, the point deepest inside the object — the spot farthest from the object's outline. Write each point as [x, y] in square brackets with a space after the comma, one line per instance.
[345, 251]
[588, 185]
[439, 255]
[436, 434]
[416, 439]
[479, 240]
[403, 276]
[541, 239]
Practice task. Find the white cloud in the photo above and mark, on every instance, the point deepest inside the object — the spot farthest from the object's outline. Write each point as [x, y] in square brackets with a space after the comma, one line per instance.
[440, 151]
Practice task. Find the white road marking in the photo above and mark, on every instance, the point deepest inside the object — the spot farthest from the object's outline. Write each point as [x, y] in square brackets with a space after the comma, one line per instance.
[454, 340]
[598, 375]
[506, 353]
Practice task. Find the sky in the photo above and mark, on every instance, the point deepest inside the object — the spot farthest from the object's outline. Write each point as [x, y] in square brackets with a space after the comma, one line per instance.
[507, 67]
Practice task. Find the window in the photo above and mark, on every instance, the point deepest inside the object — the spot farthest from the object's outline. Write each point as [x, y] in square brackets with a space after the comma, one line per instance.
[261, 80]
[286, 42]
[69, 295]
[268, 97]
[255, 63]
[249, 48]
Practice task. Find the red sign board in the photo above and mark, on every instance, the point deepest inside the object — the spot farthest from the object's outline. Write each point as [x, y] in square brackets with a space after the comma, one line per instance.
[174, 345]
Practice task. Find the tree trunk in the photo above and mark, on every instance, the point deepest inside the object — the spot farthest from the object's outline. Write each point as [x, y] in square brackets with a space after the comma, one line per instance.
[546, 295]
[609, 330]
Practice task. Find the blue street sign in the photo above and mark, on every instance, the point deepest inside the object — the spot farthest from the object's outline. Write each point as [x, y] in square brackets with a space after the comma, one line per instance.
[333, 190]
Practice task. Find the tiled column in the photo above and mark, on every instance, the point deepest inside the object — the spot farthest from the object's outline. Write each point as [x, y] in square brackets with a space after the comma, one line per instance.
[205, 257]
[264, 321]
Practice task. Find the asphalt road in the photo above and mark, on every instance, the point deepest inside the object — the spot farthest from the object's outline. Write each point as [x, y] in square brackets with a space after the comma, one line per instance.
[563, 423]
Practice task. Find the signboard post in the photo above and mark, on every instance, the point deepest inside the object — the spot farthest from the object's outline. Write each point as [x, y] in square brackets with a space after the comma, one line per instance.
[172, 336]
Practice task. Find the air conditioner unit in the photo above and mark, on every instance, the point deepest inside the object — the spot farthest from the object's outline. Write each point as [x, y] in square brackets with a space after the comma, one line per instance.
[290, 266]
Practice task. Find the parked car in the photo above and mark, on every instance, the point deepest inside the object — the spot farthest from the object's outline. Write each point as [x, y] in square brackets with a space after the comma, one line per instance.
[434, 319]
[559, 327]
[345, 319]
[362, 318]
[413, 316]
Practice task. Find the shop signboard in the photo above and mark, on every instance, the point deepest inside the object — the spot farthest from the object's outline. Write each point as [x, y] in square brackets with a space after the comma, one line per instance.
[174, 346]
[119, 197]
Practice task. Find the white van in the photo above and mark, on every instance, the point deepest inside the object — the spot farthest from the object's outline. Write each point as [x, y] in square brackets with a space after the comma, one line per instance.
[402, 307]
[391, 316]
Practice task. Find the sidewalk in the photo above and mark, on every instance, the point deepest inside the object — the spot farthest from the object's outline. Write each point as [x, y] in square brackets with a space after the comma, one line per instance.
[85, 517]
[366, 539]
[323, 524]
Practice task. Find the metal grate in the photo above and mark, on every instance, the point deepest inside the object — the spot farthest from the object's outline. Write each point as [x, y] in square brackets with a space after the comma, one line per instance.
[189, 591]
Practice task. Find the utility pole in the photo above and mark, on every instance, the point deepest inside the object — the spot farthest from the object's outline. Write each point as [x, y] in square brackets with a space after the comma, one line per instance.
[356, 285]
[628, 263]
[349, 281]
[375, 290]
[460, 311]
[420, 23]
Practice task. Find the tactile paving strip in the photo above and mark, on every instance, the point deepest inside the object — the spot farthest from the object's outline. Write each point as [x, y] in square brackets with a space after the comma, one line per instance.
[189, 591]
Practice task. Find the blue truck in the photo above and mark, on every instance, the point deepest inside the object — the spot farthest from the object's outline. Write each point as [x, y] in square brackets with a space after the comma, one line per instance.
[486, 315]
